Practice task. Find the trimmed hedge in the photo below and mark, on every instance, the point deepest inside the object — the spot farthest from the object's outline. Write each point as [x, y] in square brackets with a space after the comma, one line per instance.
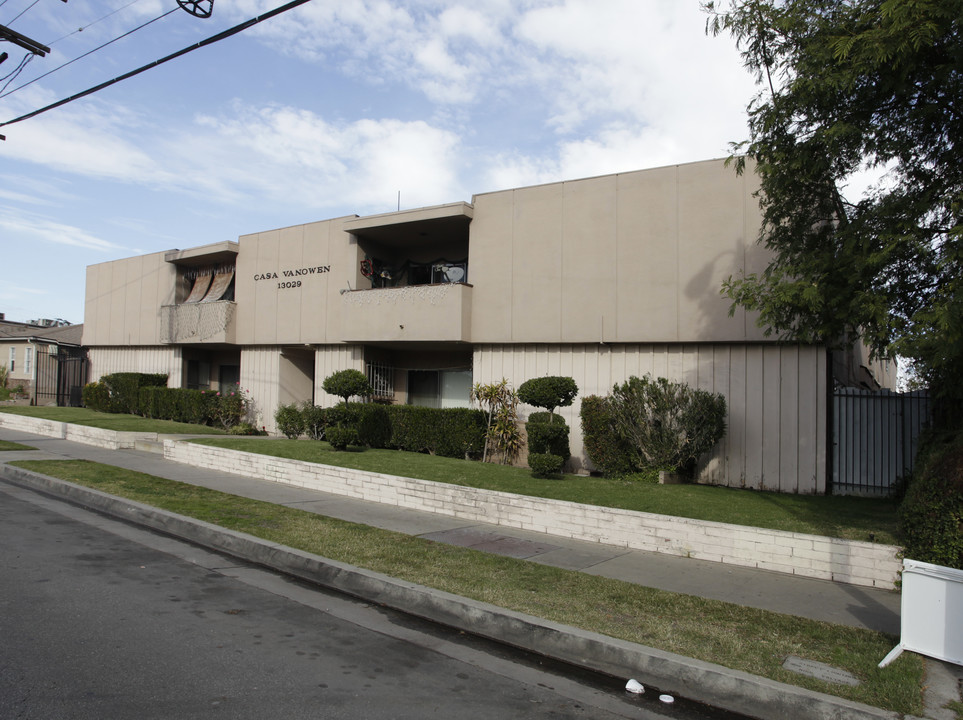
[449, 432]
[545, 465]
[123, 389]
[607, 451]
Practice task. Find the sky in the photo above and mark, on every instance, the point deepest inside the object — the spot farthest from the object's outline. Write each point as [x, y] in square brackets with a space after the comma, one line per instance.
[337, 107]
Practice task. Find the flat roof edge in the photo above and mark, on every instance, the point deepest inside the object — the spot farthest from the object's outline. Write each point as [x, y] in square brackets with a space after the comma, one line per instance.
[214, 252]
[401, 217]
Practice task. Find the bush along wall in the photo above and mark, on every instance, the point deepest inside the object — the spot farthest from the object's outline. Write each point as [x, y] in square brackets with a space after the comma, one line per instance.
[449, 432]
[120, 392]
[931, 513]
[655, 424]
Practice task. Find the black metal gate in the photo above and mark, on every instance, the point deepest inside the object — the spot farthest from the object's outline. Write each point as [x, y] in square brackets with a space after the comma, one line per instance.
[61, 375]
[874, 436]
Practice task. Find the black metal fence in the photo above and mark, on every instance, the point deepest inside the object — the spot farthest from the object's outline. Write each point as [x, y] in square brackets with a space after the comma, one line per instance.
[874, 437]
[61, 375]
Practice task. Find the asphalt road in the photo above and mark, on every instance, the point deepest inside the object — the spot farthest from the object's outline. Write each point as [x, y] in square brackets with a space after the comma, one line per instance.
[102, 620]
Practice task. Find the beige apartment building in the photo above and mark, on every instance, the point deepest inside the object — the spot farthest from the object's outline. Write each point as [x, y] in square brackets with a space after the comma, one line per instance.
[597, 279]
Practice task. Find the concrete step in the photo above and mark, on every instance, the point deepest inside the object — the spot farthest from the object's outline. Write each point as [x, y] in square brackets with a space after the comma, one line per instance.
[152, 446]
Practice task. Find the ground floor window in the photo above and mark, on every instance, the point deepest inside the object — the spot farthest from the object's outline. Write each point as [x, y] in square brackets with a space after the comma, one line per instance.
[439, 388]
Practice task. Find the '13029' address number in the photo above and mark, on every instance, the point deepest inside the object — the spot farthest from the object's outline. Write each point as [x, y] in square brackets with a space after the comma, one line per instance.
[289, 284]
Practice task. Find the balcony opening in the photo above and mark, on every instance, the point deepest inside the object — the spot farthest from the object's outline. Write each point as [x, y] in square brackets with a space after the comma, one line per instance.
[421, 247]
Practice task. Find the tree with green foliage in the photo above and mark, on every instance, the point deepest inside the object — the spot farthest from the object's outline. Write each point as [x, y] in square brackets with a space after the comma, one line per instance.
[851, 85]
[346, 384]
[548, 392]
[502, 434]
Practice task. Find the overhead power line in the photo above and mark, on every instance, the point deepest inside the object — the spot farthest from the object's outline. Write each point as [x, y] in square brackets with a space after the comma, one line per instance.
[89, 52]
[208, 41]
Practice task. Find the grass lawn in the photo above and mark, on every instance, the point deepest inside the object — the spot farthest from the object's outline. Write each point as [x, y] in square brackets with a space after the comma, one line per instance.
[7, 445]
[746, 639]
[110, 421]
[843, 517]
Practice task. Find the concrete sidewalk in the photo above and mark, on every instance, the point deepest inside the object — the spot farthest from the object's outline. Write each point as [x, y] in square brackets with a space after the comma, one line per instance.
[816, 599]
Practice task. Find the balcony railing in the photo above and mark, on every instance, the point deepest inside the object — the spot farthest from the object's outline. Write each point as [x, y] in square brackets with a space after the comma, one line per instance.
[417, 313]
[207, 322]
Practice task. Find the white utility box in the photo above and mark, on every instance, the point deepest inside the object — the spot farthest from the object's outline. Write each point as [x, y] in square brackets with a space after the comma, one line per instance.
[931, 612]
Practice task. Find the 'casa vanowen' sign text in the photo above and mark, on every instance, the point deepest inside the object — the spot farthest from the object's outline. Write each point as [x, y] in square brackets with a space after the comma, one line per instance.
[287, 276]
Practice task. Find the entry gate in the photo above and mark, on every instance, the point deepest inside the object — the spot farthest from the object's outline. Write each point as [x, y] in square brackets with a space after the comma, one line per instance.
[61, 375]
[874, 439]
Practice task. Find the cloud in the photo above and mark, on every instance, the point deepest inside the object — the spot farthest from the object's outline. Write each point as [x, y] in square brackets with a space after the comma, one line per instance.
[20, 224]
[93, 138]
[293, 156]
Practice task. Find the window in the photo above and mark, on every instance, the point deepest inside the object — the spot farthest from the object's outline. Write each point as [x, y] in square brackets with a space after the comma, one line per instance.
[27, 360]
[439, 388]
[13, 359]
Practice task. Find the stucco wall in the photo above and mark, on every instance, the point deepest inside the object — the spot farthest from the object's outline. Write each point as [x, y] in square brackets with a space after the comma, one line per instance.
[634, 257]
[124, 299]
[289, 281]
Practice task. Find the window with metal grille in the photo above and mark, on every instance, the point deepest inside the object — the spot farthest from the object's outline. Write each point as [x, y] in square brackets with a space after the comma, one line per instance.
[381, 378]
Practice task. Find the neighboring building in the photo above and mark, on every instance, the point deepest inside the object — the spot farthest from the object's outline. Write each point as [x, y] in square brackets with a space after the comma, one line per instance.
[597, 279]
[23, 346]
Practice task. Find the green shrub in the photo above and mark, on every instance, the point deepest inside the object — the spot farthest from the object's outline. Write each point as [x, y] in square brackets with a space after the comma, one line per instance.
[459, 433]
[449, 432]
[346, 384]
[341, 437]
[124, 389]
[667, 425]
[290, 421]
[411, 428]
[315, 419]
[548, 434]
[931, 514]
[95, 396]
[548, 392]
[607, 451]
[545, 465]
[373, 425]
[243, 428]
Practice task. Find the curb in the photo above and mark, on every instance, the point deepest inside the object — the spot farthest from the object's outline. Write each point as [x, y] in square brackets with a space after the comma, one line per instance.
[703, 682]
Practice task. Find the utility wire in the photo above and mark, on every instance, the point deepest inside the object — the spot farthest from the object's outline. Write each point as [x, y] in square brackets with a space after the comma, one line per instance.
[208, 41]
[90, 52]
[22, 12]
[12, 75]
[81, 29]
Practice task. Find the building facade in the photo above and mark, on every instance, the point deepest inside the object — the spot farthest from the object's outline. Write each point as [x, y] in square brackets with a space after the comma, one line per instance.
[597, 279]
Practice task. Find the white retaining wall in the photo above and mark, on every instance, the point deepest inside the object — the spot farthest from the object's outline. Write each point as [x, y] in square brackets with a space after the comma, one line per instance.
[98, 437]
[847, 561]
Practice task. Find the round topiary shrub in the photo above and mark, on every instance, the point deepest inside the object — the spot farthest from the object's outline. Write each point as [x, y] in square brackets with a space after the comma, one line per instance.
[341, 437]
[346, 384]
[545, 465]
[548, 392]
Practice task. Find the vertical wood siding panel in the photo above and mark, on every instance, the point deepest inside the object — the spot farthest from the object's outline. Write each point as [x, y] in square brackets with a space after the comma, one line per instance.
[789, 391]
[736, 398]
[808, 421]
[821, 411]
[771, 417]
[754, 416]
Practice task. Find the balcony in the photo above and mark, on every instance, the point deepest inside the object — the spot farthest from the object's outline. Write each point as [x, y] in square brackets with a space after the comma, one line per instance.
[199, 322]
[416, 313]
